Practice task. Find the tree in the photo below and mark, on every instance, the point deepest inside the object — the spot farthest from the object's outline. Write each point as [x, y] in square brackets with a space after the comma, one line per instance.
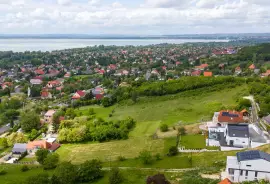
[51, 161]
[33, 134]
[146, 157]
[3, 142]
[106, 102]
[42, 155]
[173, 151]
[42, 178]
[65, 173]
[115, 176]
[29, 120]
[164, 128]
[89, 171]
[181, 131]
[70, 113]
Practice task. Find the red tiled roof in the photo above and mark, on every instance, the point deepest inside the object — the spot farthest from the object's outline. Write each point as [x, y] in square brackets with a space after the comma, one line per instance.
[208, 74]
[54, 146]
[252, 67]
[39, 72]
[196, 73]
[225, 181]
[40, 144]
[230, 117]
[80, 93]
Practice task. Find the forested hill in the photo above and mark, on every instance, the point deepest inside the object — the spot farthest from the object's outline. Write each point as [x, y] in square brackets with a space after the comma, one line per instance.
[261, 52]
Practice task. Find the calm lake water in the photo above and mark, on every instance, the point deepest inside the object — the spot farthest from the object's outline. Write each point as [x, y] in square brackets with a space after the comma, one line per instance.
[21, 45]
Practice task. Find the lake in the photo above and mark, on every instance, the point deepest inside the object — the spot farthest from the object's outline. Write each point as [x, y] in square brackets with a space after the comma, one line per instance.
[21, 45]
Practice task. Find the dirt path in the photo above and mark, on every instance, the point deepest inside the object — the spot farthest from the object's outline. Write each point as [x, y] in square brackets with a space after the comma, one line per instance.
[153, 169]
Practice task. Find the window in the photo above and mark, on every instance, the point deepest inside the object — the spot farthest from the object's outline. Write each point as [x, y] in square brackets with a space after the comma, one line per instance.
[241, 172]
[256, 174]
[248, 165]
[231, 171]
[246, 173]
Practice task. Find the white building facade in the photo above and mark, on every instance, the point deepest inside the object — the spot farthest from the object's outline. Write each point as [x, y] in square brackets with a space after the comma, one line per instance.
[248, 166]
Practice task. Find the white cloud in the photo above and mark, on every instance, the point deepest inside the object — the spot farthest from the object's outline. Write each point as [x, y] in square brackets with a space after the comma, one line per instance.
[63, 2]
[207, 3]
[154, 17]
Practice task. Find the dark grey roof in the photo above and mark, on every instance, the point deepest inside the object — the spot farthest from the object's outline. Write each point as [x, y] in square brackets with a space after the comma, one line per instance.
[240, 130]
[19, 148]
[252, 155]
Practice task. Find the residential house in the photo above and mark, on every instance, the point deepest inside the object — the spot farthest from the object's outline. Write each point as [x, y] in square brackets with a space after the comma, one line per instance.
[207, 74]
[53, 84]
[33, 146]
[45, 94]
[238, 70]
[98, 93]
[248, 166]
[6, 85]
[230, 131]
[39, 72]
[19, 149]
[79, 95]
[196, 73]
[252, 67]
[266, 74]
[202, 67]
[67, 75]
[36, 81]
[48, 117]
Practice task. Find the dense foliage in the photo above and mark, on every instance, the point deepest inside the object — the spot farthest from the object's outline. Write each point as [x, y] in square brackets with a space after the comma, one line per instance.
[83, 129]
[261, 90]
[67, 173]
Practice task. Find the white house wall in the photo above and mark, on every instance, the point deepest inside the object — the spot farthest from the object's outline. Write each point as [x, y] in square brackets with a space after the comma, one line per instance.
[251, 166]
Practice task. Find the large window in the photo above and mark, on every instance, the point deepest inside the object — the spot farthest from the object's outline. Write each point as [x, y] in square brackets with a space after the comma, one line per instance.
[231, 171]
[256, 174]
[246, 173]
[241, 172]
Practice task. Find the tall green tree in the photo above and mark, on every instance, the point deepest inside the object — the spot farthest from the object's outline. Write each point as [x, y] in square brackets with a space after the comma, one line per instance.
[65, 173]
[29, 120]
[89, 171]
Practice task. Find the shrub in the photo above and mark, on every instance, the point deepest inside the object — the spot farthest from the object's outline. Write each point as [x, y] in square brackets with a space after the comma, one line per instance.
[173, 151]
[164, 128]
[3, 172]
[24, 168]
[115, 177]
[121, 158]
[146, 157]
[158, 156]
[181, 131]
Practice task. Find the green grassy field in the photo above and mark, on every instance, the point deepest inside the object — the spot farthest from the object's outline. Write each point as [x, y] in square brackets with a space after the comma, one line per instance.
[172, 109]
[149, 113]
[15, 175]
[193, 141]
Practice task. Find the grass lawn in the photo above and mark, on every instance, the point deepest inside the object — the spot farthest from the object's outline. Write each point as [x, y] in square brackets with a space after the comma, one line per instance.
[193, 141]
[28, 159]
[78, 153]
[15, 175]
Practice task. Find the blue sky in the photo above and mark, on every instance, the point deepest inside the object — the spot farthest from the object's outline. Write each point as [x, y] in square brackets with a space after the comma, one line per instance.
[139, 17]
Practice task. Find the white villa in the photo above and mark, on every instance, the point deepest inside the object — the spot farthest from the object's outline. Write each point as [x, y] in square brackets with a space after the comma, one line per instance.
[230, 131]
[248, 166]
